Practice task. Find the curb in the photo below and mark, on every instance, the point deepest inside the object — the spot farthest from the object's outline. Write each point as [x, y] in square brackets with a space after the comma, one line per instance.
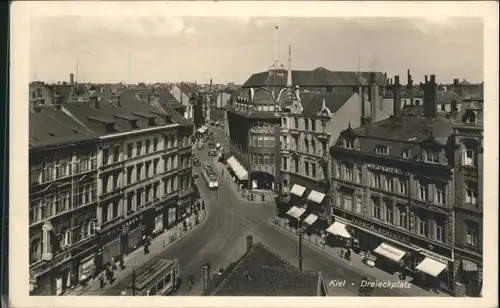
[343, 263]
[202, 221]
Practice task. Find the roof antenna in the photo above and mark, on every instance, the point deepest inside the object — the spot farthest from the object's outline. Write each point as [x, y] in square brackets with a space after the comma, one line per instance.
[277, 43]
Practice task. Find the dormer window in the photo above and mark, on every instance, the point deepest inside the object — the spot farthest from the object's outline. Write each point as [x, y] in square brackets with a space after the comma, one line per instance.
[405, 154]
[349, 144]
[382, 149]
[468, 157]
[469, 117]
[431, 157]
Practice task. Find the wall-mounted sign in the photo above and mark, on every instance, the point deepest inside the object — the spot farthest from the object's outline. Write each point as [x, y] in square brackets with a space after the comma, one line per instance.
[387, 169]
[383, 231]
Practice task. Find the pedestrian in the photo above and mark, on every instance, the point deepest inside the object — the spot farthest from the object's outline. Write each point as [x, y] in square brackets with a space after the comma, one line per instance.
[113, 264]
[348, 255]
[146, 249]
[122, 265]
[111, 276]
[108, 273]
[101, 280]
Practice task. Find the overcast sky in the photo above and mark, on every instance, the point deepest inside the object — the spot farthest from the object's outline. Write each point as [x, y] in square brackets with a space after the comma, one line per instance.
[164, 48]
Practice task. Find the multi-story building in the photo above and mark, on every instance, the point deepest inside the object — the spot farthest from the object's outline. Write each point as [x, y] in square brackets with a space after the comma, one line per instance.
[182, 93]
[255, 118]
[468, 206]
[393, 190]
[63, 200]
[141, 182]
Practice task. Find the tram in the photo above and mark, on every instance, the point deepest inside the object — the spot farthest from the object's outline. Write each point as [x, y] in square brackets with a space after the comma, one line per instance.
[210, 177]
[159, 279]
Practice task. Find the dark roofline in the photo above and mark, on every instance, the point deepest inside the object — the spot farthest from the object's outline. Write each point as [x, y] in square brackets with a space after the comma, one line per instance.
[56, 146]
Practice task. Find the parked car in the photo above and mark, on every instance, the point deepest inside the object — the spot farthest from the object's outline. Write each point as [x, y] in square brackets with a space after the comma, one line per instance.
[196, 162]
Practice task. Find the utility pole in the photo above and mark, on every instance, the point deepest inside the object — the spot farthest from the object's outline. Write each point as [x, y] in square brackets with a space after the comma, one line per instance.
[300, 243]
[133, 282]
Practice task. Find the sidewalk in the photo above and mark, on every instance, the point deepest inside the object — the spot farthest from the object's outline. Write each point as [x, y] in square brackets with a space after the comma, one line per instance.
[243, 195]
[357, 264]
[136, 258]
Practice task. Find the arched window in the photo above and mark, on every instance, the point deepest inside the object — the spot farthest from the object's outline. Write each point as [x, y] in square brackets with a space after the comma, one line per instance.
[266, 159]
[469, 153]
[35, 250]
[306, 145]
[313, 146]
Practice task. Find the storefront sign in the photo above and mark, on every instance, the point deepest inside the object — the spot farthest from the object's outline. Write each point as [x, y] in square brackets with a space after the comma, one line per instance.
[86, 269]
[432, 255]
[386, 169]
[385, 232]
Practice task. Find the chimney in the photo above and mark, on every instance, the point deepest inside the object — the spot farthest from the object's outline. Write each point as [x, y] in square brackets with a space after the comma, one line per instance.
[409, 87]
[206, 276]
[373, 97]
[430, 97]
[210, 85]
[396, 106]
[71, 79]
[116, 99]
[57, 100]
[94, 101]
[365, 120]
[249, 242]
[149, 99]
[426, 80]
[455, 81]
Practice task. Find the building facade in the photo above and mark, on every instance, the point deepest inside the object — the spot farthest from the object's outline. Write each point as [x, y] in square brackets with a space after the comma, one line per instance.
[468, 164]
[140, 183]
[393, 188]
[254, 120]
[63, 201]
[182, 93]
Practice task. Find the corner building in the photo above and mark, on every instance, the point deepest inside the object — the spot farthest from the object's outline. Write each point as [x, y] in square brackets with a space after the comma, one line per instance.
[393, 191]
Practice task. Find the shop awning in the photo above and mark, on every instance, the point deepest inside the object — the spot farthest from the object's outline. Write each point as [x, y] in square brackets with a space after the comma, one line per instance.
[310, 219]
[431, 267]
[238, 169]
[338, 228]
[316, 196]
[469, 266]
[390, 252]
[296, 212]
[297, 190]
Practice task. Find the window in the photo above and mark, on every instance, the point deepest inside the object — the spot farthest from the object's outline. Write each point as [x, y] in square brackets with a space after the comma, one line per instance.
[266, 160]
[405, 154]
[296, 123]
[376, 209]
[324, 148]
[338, 170]
[172, 185]
[104, 212]
[116, 178]
[148, 169]
[376, 180]
[254, 159]
[423, 190]
[147, 145]
[261, 159]
[324, 126]
[139, 148]
[471, 234]
[402, 217]
[260, 141]
[348, 201]
[155, 144]
[284, 163]
[338, 199]
[254, 140]
[348, 172]
[348, 143]
[468, 157]
[306, 145]
[359, 204]
[296, 165]
[116, 154]
[138, 174]
[138, 199]
[439, 230]
[295, 142]
[155, 167]
[147, 194]
[284, 122]
[313, 170]
[116, 211]
[389, 184]
[313, 147]
[130, 148]
[471, 195]
[105, 156]
[306, 124]
[105, 184]
[431, 157]
[130, 203]
[440, 194]
[422, 226]
[389, 217]
[359, 174]
[306, 168]
[402, 187]
[382, 149]
[443, 107]
[313, 125]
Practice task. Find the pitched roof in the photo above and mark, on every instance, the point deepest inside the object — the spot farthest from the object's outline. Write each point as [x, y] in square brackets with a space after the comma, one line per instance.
[260, 272]
[400, 133]
[333, 101]
[107, 112]
[50, 127]
[319, 77]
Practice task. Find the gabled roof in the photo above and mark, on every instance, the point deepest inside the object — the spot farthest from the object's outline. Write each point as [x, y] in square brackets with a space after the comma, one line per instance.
[51, 127]
[261, 272]
[319, 77]
[333, 101]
